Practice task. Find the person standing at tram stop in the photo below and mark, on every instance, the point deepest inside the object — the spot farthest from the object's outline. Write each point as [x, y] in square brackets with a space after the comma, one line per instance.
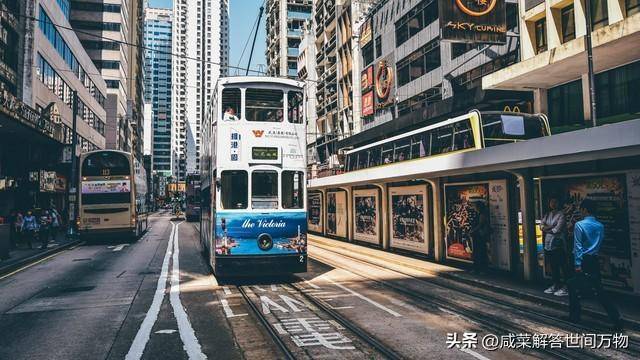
[480, 231]
[45, 227]
[29, 228]
[588, 238]
[554, 228]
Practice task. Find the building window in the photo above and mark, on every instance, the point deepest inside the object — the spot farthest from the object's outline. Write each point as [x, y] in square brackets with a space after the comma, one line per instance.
[419, 63]
[565, 107]
[113, 84]
[541, 35]
[632, 6]
[378, 46]
[415, 20]
[459, 49]
[617, 91]
[599, 14]
[568, 24]
[367, 54]
[91, 6]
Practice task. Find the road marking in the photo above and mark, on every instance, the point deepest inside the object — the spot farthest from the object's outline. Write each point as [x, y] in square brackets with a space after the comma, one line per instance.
[188, 336]
[119, 247]
[372, 302]
[32, 264]
[474, 354]
[312, 284]
[227, 309]
[166, 331]
[142, 337]
[226, 290]
[274, 287]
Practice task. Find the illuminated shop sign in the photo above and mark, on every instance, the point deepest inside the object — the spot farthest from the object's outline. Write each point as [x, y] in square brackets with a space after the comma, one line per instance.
[473, 21]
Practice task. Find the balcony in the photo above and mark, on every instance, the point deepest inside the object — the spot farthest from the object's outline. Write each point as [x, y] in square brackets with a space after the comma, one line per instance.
[293, 52]
[298, 15]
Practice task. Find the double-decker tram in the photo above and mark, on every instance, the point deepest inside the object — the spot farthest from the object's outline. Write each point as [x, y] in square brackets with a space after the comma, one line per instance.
[192, 197]
[472, 131]
[253, 172]
[113, 191]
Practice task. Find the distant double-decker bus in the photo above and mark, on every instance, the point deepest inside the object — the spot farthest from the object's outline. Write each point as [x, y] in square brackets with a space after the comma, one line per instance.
[192, 197]
[253, 171]
[113, 192]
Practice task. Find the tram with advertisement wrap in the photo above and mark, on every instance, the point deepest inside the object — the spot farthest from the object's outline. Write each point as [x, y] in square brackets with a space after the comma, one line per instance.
[253, 177]
[113, 191]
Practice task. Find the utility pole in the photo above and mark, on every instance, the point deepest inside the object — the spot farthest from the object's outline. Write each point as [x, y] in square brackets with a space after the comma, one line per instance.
[254, 39]
[592, 89]
[73, 182]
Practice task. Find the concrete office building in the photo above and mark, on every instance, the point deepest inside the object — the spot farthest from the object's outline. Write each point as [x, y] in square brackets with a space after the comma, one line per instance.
[554, 64]
[200, 31]
[285, 21]
[36, 118]
[157, 88]
[307, 73]
[94, 23]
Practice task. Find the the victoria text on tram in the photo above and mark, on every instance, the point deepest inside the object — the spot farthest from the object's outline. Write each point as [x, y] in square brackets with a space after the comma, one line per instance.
[253, 178]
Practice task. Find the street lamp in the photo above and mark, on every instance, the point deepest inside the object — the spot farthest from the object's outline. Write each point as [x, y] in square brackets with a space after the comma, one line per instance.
[73, 182]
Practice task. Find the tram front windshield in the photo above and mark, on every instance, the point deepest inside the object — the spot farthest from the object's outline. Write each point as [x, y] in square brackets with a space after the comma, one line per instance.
[507, 128]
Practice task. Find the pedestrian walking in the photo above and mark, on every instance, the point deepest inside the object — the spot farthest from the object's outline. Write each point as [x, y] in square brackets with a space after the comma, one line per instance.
[45, 226]
[29, 228]
[588, 238]
[56, 221]
[17, 226]
[554, 229]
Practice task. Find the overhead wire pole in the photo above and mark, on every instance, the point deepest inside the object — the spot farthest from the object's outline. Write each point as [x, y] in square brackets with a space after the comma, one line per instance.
[255, 36]
[592, 88]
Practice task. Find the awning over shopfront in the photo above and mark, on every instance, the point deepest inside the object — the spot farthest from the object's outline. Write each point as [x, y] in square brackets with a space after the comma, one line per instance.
[577, 146]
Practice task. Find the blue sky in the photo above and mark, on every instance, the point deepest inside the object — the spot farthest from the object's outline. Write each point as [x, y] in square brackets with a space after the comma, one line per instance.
[243, 15]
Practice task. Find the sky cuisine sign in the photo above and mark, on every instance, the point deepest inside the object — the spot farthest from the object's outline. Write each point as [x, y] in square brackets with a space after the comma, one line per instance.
[473, 21]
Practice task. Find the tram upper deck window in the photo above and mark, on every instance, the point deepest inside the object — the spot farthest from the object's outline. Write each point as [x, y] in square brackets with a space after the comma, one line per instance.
[374, 156]
[463, 136]
[106, 164]
[442, 140]
[231, 104]
[507, 128]
[292, 189]
[363, 159]
[402, 149]
[265, 105]
[295, 107]
[387, 153]
[264, 189]
[234, 189]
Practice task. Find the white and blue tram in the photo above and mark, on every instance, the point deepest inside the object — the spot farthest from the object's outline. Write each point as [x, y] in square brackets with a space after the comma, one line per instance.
[253, 172]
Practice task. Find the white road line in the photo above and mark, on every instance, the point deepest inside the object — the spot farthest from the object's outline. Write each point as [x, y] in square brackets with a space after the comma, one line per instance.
[312, 284]
[474, 354]
[142, 337]
[188, 336]
[376, 304]
[227, 309]
[226, 290]
[119, 247]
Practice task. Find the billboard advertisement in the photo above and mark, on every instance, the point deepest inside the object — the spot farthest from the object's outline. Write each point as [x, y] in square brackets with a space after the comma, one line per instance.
[384, 83]
[106, 186]
[473, 21]
[337, 213]
[464, 205]
[366, 78]
[366, 216]
[609, 192]
[314, 206]
[499, 248]
[367, 104]
[409, 219]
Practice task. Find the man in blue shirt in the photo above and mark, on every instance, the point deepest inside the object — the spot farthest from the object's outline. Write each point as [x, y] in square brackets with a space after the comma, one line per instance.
[588, 235]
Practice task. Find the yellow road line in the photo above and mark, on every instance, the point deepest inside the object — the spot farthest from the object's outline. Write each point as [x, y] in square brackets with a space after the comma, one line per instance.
[32, 264]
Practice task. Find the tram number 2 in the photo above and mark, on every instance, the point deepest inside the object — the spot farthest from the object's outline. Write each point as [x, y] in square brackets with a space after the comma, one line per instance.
[301, 259]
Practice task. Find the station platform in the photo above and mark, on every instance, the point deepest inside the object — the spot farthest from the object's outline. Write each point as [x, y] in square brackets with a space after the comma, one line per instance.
[498, 282]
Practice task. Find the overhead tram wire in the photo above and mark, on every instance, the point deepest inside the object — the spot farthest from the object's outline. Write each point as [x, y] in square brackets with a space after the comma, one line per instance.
[134, 45]
[255, 26]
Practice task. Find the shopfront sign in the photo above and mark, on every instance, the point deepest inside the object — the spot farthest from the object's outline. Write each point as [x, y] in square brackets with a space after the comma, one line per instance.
[366, 78]
[473, 21]
[15, 108]
[366, 33]
[47, 181]
[367, 104]
[384, 83]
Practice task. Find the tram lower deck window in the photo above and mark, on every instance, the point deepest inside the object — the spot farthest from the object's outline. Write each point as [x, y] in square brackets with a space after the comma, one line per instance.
[234, 189]
[292, 189]
[264, 189]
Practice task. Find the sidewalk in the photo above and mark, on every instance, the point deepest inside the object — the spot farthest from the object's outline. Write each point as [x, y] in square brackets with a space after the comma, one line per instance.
[497, 282]
[23, 255]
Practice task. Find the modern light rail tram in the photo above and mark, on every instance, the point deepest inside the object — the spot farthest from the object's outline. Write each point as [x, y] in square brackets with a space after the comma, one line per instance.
[253, 171]
[113, 191]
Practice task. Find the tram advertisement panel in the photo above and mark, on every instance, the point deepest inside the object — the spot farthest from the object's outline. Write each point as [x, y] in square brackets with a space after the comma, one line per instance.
[365, 203]
[609, 194]
[314, 207]
[464, 207]
[337, 214]
[237, 233]
[409, 218]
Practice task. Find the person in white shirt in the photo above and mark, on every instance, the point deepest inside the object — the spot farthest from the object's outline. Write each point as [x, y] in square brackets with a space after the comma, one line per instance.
[230, 114]
[554, 230]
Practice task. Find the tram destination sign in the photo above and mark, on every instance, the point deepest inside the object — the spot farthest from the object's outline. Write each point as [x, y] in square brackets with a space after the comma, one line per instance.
[264, 153]
[473, 21]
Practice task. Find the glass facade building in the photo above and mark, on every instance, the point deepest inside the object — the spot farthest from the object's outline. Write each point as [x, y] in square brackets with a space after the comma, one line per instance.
[157, 40]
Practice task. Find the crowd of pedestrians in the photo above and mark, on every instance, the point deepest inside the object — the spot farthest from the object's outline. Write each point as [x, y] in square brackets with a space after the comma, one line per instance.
[37, 225]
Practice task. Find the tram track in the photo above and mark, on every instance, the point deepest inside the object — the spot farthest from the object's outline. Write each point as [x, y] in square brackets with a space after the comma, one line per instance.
[497, 325]
[366, 338]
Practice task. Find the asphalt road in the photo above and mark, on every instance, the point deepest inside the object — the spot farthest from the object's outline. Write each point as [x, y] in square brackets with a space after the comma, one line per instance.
[156, 299]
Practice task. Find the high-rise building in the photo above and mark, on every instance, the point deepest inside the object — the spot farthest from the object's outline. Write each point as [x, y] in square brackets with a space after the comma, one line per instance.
[95, 23]
[201, 43]
[285, 22]
[157, 87]
[135, 100]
